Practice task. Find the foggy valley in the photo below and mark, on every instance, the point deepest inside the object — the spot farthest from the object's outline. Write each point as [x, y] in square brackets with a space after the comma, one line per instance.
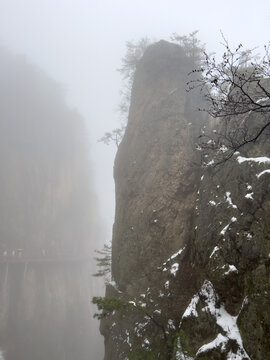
[48, 217]
[134, 226]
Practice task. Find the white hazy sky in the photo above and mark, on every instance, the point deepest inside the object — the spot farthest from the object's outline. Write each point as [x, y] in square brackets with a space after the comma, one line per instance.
[80, 44]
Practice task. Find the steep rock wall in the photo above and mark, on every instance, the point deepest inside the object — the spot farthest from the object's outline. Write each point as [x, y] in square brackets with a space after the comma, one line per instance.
[157, 172]
[190, 242]
[155, 178]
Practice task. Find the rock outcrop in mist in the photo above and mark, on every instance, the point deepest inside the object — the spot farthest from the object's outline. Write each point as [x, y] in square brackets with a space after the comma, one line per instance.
[191, 243]
[49, 223]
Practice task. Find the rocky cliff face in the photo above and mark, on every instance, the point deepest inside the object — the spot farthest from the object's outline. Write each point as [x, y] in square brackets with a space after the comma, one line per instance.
[47, 220]
[190, 242]
[155, 168]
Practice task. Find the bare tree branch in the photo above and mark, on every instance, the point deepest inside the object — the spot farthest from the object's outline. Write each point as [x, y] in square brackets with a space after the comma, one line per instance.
[235, 89]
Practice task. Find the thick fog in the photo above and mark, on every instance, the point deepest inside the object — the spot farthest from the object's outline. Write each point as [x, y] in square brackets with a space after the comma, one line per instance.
[49, 220]
[81, 43]
[60, 90]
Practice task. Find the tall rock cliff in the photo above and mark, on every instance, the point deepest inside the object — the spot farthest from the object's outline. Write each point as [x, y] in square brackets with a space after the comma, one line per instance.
[190, 251]
[48, 220]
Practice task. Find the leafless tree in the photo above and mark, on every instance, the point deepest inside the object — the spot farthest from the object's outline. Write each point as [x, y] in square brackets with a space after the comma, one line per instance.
[237, 90]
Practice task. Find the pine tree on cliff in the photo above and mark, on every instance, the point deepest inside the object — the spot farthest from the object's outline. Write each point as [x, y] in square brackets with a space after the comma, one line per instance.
[134, 52]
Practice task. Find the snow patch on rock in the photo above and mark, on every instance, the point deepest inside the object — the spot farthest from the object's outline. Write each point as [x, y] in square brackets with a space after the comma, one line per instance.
[191, 310]
[174, 269]
[216, 248]
[263, 172]
[229, 200]
[226, 322]
[259, 160]
[232, 268]
[174, 255]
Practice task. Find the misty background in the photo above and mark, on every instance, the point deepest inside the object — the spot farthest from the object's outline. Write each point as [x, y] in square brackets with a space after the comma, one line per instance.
[80, 44]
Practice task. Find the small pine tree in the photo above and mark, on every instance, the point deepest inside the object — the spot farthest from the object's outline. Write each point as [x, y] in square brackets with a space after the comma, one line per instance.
[192, 46]
[104, 262]
[134, 53]
[114, 136]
